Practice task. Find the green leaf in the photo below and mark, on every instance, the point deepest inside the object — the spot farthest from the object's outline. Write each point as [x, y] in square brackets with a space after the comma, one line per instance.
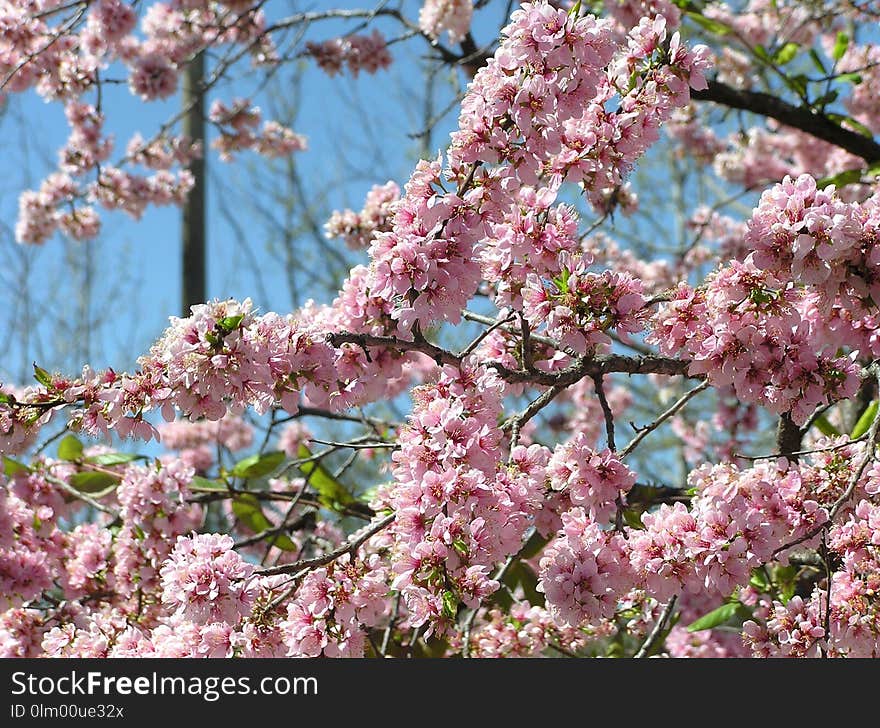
[759, 581]
[785, 578]
[6, 398]
[786, 54]
[798, 84]
[93, 482]
[114, 458]
[230, 323]
[533, 546]
[561, 281]
[855, 125]
[865, 421]
[825, 427]
[70, 449]
[247, 510]
[331, 492]
[204, 484]
[11, 467]
[714, 618]
[854, 78]
[840, 46]
[761, 52]
[817, 62]
[713, 26]
[450, 604]
[256, 466]
[841, 179]
[633, 519]
[826, 99]
[575, 9]
[42, 376]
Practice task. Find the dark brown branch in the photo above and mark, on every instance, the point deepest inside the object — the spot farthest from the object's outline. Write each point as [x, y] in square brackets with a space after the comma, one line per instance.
[606, 411]
[596, 366]
[349, 547]
[441, 356]
[788, 437]
[591, 366]
[796, 117]
[356, 510]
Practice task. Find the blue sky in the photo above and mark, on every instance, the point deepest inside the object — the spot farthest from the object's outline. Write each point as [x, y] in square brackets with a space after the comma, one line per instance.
[357, 131]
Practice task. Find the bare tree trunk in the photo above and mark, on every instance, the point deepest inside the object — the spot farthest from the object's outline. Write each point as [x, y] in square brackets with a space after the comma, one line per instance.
[193, 271]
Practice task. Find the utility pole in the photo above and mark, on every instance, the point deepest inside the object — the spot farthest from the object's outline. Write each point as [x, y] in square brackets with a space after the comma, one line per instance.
[193, 271]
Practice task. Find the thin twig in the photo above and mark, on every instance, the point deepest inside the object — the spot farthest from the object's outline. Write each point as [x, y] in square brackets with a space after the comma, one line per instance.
[645, 431]
[606, 411]
[659, 626]
[85, 498]
[301, 567]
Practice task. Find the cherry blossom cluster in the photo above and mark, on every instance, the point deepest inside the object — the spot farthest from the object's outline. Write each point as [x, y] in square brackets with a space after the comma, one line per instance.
[154, 511]
[238, 126]
[450, 16]
[425, 264]
[737, 521]
[585, 570]
[594, 481]
[801, 233]
[357, 53]
[335, 606]
[357, 228]
[204, 580]
[526, 631]
[580, 307]
[221, 359]
[25, 565]
[511, 119]
[459, 510]
[745, 329]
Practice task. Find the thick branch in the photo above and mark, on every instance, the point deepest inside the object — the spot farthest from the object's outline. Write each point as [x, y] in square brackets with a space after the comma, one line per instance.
[592, 366]
[441, 356]
[797, 117]
[788, 437]
[596, 366]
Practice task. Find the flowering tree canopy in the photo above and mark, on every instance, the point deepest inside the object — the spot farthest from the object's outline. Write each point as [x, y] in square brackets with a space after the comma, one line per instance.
[510, 512]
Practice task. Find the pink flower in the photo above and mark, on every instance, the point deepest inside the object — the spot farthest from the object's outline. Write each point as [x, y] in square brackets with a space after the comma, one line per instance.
[205, 580]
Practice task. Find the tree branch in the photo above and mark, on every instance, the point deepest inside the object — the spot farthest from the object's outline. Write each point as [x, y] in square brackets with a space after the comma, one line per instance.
[349, 547]
[645, 649]
[796, 117]
[788, 437]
